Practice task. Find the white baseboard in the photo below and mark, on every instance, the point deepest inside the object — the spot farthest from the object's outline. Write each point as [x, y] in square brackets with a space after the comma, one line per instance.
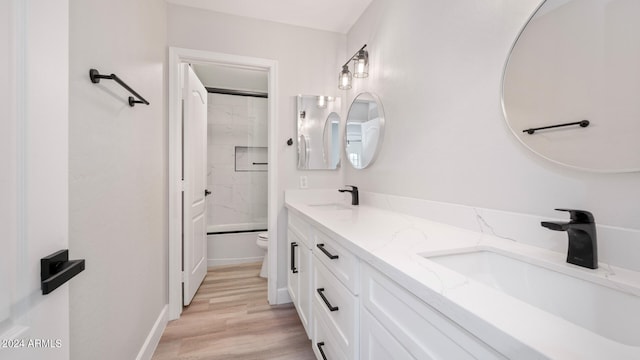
[150, 344]
[283, 296]
[220, 262]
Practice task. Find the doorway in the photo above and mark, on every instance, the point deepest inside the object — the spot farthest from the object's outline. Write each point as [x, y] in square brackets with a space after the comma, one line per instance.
[178, 56]
[236, 171]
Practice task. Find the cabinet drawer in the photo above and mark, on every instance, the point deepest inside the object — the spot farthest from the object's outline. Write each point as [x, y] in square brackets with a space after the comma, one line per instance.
[424, 332]
[337, 259]
[323, 338]
[337, 307]
[300, 227]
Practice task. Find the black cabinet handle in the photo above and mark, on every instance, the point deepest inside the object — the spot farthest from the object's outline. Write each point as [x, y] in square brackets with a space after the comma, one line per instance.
[207, 192]
[329, 255]
[331, 307]
[293, 257]
[320, 345]
[56, 269]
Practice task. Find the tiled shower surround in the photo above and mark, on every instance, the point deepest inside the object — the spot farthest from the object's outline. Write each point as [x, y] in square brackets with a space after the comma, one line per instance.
[239, 197]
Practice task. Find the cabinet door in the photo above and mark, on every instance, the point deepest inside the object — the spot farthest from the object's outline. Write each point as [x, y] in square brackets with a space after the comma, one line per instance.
[293, 267]
[376, 343]
[418, 327]
[304, 286]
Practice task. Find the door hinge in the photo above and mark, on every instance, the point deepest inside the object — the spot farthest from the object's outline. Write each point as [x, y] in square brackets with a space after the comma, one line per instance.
[182, 276]
[182, 185]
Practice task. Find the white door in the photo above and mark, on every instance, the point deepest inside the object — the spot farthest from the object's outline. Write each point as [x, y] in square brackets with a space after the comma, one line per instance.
[194, 228]
[33, 175]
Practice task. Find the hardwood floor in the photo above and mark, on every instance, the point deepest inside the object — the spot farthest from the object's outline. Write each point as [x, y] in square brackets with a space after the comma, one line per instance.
[230, 319]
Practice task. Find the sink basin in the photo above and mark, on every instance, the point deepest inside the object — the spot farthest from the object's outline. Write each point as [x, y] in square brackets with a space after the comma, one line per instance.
[331, 206]
[606, 311]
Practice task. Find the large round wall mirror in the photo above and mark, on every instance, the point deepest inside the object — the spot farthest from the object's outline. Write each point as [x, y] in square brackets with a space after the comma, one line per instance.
[571, 86]
[364, 130]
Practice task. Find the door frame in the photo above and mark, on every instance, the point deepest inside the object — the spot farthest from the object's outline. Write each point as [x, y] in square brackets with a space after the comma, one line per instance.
[182, 55]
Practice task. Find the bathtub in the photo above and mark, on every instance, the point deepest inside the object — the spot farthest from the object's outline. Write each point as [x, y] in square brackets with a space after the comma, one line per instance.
[234, 243]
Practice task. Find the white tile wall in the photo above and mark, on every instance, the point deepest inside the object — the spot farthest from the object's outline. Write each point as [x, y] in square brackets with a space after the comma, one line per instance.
[238, 197]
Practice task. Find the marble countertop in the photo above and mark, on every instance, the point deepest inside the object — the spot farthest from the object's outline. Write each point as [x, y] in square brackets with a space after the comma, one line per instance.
[396, 243]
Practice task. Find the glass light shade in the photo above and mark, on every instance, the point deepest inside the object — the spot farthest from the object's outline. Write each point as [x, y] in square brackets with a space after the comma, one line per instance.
[361, 64]
[344, 79]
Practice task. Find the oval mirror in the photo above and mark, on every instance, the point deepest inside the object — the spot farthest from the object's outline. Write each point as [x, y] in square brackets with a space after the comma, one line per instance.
[331, 140]
[364, 130]
[318, 125]
[578, 60]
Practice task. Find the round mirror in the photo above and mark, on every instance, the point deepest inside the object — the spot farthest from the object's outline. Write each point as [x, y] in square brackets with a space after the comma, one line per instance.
[578, 60]
[364, 130]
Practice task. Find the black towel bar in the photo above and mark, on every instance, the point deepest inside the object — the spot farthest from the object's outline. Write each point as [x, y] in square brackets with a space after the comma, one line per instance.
[95, 77]
[582, 123]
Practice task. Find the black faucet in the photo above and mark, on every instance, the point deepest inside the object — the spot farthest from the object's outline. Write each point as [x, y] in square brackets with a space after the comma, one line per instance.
[583, 245]
[355, 200]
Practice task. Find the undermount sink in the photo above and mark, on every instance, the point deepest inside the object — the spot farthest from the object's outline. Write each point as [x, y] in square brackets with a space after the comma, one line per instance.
[606, 311]
[331, 206]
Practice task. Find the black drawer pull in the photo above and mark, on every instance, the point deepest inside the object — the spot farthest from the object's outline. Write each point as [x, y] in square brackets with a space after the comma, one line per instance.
[331, 307]
[320, 345]
[329, 255]
[293, 257]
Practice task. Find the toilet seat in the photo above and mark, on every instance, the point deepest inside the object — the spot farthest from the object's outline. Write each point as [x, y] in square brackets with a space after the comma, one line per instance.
[263, 242]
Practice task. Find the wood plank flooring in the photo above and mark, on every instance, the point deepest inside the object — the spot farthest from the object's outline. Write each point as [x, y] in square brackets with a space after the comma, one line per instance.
[230, 319]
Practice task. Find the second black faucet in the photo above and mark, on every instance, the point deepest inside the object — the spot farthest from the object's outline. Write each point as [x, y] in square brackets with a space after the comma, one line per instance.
[355, 200]
[583, 243]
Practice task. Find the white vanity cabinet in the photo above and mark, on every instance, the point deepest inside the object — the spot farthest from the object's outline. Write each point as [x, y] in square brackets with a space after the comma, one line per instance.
[419, 331]
[299, 270]
[353, 311]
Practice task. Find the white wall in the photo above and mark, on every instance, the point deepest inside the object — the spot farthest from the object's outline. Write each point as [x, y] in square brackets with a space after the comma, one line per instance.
[118, 176]
[437, 66]
[308, 63]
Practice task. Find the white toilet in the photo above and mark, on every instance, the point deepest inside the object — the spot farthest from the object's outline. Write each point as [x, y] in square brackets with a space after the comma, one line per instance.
[263, 242]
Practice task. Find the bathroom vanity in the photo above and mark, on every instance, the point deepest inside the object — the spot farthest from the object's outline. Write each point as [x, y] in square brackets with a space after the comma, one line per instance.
[371, 283]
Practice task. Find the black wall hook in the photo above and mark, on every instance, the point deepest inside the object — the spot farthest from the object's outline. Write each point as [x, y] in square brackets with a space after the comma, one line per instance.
[95, 77]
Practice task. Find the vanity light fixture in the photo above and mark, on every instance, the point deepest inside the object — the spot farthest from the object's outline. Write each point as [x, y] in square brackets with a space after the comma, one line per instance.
[360, 68]
[344, 80]
[361, 64]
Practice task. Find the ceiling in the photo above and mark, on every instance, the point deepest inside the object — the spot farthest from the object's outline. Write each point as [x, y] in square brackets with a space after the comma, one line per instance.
[328, 15]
